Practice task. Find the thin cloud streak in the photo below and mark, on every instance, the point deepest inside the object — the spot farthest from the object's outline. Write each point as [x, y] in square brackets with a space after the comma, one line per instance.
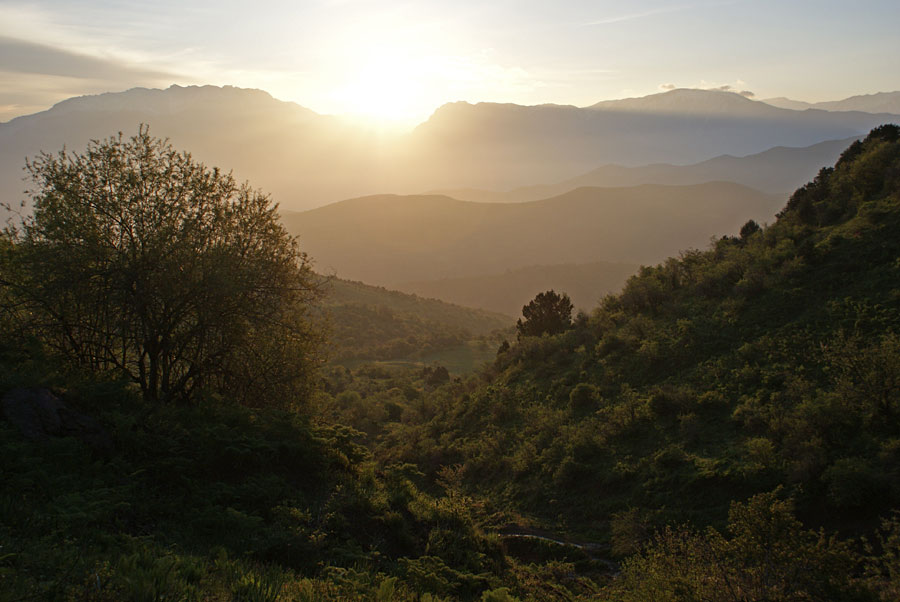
[639, 15]
[658, 11]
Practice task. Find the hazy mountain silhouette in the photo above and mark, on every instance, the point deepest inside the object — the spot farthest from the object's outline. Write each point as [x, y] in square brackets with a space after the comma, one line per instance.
[497, 146]
[301, 158]
[507, 292]
[305, 160]
[777, 170]
[688, 101]
[389, 239]
[881, 102]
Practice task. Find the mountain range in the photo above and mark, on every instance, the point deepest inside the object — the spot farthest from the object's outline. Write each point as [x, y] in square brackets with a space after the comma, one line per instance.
[632, 181]
[881, 102]
[307, 160]
[777, 170]
[497, 146]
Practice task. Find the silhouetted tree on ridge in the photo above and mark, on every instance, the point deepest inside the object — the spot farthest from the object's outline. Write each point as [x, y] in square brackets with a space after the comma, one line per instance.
[547, 313]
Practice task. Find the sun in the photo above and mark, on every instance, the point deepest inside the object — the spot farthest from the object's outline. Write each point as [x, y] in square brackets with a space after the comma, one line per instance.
[388, 87]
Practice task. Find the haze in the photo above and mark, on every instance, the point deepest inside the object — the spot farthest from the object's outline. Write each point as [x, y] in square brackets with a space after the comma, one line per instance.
[393, 63]
[524, 144]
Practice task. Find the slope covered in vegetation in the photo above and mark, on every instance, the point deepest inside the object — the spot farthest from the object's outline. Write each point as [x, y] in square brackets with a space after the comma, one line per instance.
[749, 391]
[373, 323]
[770, 359]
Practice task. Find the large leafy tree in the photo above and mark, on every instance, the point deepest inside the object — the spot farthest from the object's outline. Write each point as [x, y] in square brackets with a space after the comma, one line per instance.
[139, 260]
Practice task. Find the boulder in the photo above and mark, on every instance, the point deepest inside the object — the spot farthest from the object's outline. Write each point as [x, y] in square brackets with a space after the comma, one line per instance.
[39, 414]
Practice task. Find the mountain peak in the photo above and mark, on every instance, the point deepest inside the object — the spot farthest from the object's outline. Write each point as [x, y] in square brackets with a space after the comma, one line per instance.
[880, 102]
[685, 100]
[176, 98]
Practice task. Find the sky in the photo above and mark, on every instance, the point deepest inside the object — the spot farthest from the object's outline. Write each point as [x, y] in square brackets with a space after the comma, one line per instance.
[397, 61]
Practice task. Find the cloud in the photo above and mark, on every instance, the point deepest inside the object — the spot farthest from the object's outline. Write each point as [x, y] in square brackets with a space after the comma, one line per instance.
[738, 87]
[21, 56]
[35, 76]
[667, 87]
[730, 88]
[638, 15]
[659, 11]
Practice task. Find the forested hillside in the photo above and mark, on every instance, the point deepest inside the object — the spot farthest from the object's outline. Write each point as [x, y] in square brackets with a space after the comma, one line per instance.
[725, 428]
[769, 359]
[768, 363]
[373, 323]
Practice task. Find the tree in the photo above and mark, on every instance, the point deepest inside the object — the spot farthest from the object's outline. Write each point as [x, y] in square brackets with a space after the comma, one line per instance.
[139, 260]
[749, 229]
[548, 313]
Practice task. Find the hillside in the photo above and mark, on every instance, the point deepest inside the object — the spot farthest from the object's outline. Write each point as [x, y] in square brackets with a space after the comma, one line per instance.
[686, 441]
[769, 360]
[387, 240]
[777, 170]
[507, 292]
[373, 323]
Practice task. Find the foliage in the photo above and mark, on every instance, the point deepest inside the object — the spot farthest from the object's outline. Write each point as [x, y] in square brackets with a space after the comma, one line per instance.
[748, 390]
[547, 313]
[218, 501]
[371, 323]
[766, 555]
[139, 260]
[765, 361]
[883, 565]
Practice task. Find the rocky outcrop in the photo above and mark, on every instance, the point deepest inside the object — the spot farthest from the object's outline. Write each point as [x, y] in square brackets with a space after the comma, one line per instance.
[39, 414]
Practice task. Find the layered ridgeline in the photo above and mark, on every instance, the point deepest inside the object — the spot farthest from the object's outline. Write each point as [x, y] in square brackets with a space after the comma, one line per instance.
[880, 102]
[293, 153]
[305, 160]
[408, 242]
[768, 361]
[494, 145]
[776, 170]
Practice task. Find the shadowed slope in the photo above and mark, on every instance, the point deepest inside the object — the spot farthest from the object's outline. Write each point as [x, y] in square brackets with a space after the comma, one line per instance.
[392, 239]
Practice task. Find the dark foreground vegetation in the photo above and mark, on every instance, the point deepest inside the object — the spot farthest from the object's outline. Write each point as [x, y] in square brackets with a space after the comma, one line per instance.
[725, 428]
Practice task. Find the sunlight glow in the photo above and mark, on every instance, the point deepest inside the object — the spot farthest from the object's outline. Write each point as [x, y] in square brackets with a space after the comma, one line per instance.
[389, 86]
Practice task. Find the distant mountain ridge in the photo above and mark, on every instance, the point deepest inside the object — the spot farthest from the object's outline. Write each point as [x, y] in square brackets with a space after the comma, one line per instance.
[389, 239]
[689, 101]
[175, 98]
[287, 150]
[880, 102]
[777, 170]
[306, 160]
[499, 145]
